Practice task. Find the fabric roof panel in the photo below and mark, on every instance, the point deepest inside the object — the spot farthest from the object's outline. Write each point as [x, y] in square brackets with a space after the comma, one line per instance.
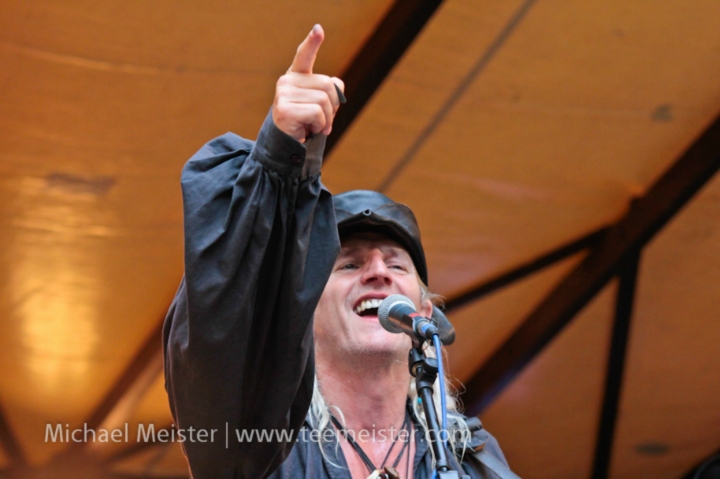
[672, 387]
[546, 420]
[211, 37]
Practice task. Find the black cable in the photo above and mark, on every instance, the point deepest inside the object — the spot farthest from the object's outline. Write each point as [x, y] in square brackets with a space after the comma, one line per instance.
[365, 459]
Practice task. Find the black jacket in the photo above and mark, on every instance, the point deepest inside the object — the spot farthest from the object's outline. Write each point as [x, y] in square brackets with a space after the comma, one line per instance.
[260, 242]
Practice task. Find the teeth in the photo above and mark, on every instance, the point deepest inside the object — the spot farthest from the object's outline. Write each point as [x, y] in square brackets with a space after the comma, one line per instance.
[368, 304]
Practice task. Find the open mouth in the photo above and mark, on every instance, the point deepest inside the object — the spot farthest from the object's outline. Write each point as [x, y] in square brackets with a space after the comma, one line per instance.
[369, 307]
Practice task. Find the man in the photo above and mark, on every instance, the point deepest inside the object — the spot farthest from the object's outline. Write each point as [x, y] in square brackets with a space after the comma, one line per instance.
[262, 257]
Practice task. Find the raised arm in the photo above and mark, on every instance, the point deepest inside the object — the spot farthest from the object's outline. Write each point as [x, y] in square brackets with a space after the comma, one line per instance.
[260, 239]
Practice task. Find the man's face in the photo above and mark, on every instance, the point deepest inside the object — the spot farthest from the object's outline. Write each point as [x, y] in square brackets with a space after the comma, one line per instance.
[370, 267]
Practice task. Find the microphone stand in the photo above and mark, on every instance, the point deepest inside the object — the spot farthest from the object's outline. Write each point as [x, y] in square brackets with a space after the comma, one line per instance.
[425, 370]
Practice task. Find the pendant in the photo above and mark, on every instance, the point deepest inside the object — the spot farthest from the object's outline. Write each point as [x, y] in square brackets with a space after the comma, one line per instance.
[387, 472]
[391, 473]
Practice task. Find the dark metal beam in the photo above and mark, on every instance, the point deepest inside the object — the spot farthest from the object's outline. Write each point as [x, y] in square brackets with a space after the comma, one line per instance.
[486, 287]
[643, 220]
[136, 448]
[379, 55]
[79, 468]
[456, 93]
[143, 368]
[132, 476]
[615, 367]
[9, 442]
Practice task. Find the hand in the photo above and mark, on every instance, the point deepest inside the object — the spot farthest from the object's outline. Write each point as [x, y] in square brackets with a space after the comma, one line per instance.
[305, 102]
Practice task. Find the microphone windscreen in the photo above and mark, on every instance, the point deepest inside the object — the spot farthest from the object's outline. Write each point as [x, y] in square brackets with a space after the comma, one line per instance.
[385, 307]
[447, 332]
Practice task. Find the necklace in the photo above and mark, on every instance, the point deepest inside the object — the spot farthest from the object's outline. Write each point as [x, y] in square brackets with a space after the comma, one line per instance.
[384, 471]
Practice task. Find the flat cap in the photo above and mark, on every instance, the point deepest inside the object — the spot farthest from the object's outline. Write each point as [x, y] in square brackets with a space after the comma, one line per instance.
[363, 210]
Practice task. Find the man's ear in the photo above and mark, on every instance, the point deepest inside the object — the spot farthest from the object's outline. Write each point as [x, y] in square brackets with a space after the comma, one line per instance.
[427, 309]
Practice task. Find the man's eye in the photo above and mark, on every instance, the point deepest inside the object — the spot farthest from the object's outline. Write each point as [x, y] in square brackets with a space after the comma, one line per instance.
[398, 267]
[348, 266]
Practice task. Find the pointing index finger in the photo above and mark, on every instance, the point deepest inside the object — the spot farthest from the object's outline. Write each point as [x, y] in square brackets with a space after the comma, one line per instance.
[307, 51]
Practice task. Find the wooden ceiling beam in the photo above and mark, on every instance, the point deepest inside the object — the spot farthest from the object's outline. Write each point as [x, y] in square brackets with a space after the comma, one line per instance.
[631, 233]
[525, 269]
[378, 56]
[615, 366]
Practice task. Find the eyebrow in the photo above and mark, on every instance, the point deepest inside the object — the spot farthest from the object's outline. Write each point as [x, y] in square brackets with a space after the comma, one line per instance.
[389, 250]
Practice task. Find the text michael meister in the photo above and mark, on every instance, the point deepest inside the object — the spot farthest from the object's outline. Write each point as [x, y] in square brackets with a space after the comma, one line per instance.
[145, 433]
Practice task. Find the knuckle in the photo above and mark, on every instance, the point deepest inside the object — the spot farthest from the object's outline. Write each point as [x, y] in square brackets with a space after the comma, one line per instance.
[279, 114]
[282, 92]
[326, 101]
[282, 110]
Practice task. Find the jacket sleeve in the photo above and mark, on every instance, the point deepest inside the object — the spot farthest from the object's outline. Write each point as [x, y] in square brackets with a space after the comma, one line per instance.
[260, 242]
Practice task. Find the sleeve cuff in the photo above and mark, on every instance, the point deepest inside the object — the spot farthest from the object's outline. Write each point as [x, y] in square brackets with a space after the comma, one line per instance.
[283, 154]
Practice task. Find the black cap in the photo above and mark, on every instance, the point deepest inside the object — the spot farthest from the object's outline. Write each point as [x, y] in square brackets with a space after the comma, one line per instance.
[362, 210]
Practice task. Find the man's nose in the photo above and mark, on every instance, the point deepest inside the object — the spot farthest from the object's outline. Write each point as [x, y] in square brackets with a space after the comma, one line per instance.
[376, 269]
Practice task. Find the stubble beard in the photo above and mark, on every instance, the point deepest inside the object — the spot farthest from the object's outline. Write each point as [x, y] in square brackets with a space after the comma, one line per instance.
[375, 357]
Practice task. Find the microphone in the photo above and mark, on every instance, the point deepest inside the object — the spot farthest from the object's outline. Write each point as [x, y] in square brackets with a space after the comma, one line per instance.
[397, 314]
